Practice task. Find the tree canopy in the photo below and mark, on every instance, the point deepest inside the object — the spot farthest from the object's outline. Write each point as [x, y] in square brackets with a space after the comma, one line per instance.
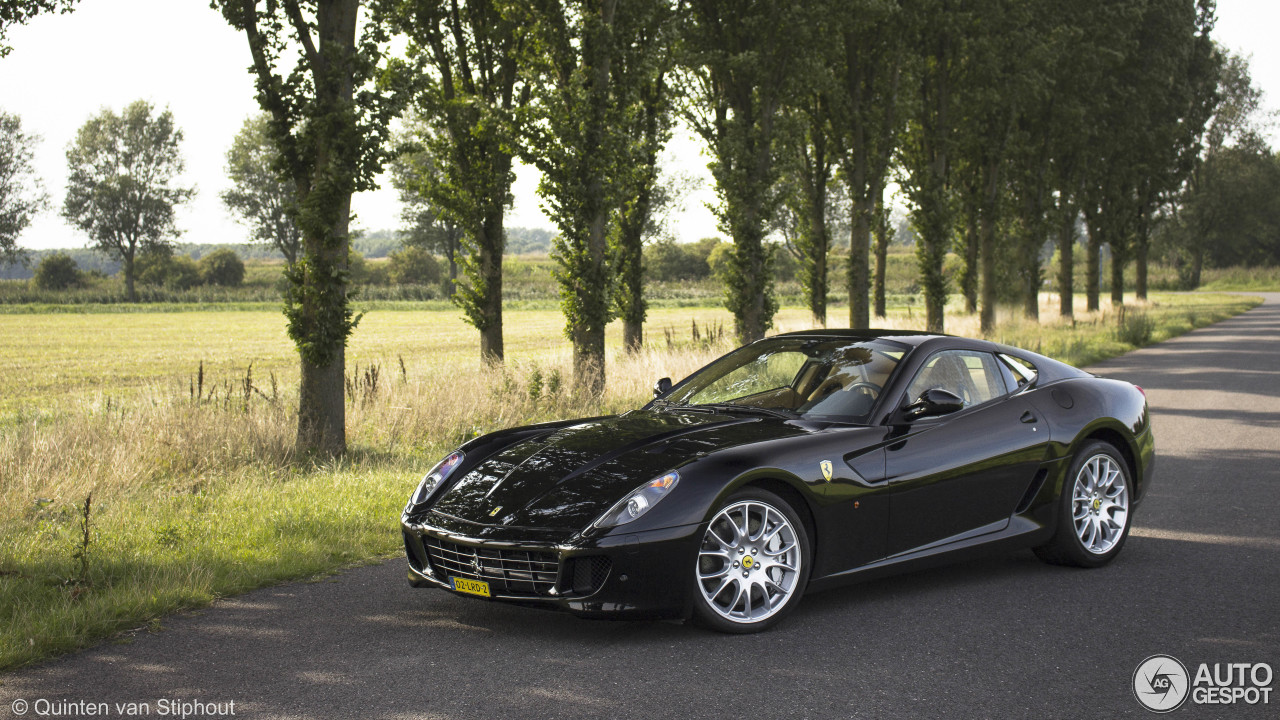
[122, 183]
[21, 194]
[259, 196]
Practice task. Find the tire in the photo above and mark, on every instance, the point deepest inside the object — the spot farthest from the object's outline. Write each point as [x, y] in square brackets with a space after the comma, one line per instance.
[770, 561]
[1095, 510]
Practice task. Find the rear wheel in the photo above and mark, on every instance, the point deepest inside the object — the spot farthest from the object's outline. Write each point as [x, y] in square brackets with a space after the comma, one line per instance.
[753, 563]
[1093, 514]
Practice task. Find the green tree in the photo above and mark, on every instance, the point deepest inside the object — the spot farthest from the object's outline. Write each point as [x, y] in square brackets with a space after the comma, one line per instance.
[122, 183]
[222, 267]
[425, 226]
[57, 272]
[1211, 216]
[159, 267]
[21, 194]
[260, 197]
[588, 56]
[742, 63]
[329, 124]
[413, 265]
[1176, 78]
[930, 143]
[1154, 102]
[469, 91]
[642, 197]
[1008, 60]
[872, 74]
[806, 165]
[19, 12]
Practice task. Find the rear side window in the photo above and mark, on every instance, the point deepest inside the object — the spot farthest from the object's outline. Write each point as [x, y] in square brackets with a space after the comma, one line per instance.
[1018, 372]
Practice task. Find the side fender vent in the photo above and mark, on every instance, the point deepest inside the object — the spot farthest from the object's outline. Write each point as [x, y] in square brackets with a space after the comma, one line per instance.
[1033, 489]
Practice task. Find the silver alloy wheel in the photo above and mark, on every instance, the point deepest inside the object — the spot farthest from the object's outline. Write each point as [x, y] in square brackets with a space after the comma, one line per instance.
[1100, 504]
[749, 562]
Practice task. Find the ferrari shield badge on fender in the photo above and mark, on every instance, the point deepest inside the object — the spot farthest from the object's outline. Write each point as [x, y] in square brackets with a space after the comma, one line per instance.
[826, 469]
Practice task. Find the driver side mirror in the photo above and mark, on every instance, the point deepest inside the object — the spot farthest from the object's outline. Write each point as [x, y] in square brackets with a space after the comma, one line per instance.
[662, 387]
[934, 402]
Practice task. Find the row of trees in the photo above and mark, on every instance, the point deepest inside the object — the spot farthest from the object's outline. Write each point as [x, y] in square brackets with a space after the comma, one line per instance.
[1003, 121]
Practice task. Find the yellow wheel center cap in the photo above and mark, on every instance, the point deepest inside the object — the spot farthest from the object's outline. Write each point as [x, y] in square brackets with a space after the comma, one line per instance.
[1097, 503]
[747, 562]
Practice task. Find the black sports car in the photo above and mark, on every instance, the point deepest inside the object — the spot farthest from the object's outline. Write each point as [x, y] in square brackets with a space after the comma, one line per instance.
[795, 463]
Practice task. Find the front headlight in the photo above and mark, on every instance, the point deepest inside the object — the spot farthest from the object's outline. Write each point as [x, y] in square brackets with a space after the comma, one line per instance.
[638, 502]
[434, 478]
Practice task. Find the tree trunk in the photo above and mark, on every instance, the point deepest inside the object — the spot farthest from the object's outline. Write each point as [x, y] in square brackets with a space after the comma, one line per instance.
[750, 280]
[1117, 278]
[588, 335]
[1140, 269]
[630, 265]
[491, 247]
[859, 265]
[1093, 270]
[987, 266]
[130, 293]
[973, 254]
[1031, 299]
[882, 256]
[818, 245]
[1066, 266]
[321, 411]
[1197, 265]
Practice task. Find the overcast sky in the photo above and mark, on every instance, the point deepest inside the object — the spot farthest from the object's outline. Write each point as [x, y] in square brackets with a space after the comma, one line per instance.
[181, 54]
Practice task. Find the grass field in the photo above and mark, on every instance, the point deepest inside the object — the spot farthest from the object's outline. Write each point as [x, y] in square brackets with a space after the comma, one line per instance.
[194, 499]
[1246, 279]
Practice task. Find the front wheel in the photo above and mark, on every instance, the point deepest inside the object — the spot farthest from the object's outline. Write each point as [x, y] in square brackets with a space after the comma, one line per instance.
[753, 563]
[1093, 514]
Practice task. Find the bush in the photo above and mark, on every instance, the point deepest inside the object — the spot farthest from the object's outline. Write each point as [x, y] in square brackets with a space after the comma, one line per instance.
[1135, 328]
[718, 260]
[413, 266]
[357, 268]
[222, 267]
[162, 268]
[57, 272]
[666, 260]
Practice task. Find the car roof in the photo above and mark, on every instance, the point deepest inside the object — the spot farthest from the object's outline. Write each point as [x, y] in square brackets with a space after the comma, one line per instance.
[906, 337]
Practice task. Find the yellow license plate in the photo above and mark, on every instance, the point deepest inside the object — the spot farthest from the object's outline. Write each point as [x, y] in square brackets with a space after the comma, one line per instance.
[471, 587]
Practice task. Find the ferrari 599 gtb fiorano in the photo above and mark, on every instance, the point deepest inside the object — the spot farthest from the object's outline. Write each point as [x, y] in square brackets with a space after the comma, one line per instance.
[798, 462]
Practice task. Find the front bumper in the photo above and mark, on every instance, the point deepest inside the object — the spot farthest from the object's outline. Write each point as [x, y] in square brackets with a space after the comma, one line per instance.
[639, 575]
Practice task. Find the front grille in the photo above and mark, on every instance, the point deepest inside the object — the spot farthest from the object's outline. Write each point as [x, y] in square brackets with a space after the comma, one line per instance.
[508, 572]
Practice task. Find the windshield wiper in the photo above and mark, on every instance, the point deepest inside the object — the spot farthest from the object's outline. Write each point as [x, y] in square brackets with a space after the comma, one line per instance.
[734, 407]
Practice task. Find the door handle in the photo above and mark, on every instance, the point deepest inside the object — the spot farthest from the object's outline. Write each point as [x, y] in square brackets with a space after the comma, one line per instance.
[1027, 417]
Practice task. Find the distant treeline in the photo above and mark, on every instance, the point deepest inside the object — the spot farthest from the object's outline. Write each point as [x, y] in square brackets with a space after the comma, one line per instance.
[372, 244]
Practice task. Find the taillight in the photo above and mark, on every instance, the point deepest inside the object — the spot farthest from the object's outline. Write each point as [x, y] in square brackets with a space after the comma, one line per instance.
[1144, 392]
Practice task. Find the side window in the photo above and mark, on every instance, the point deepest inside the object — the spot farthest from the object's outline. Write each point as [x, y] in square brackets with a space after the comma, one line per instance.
[1017, 370]
[973, 376]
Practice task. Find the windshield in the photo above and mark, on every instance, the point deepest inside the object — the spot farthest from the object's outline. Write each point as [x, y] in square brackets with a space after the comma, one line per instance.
[827, 378]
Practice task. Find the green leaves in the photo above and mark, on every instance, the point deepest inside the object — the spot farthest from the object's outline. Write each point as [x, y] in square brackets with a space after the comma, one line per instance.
[21, 194]
[263, 199]
[121, 184]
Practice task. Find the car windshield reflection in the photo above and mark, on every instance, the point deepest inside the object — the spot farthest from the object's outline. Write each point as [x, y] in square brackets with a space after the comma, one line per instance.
[818, 378]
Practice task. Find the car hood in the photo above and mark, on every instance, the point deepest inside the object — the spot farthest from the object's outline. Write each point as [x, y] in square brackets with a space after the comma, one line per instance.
[567, 477]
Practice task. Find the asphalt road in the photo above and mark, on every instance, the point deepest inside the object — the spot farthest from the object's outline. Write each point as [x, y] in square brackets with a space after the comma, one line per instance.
[1003, 637]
